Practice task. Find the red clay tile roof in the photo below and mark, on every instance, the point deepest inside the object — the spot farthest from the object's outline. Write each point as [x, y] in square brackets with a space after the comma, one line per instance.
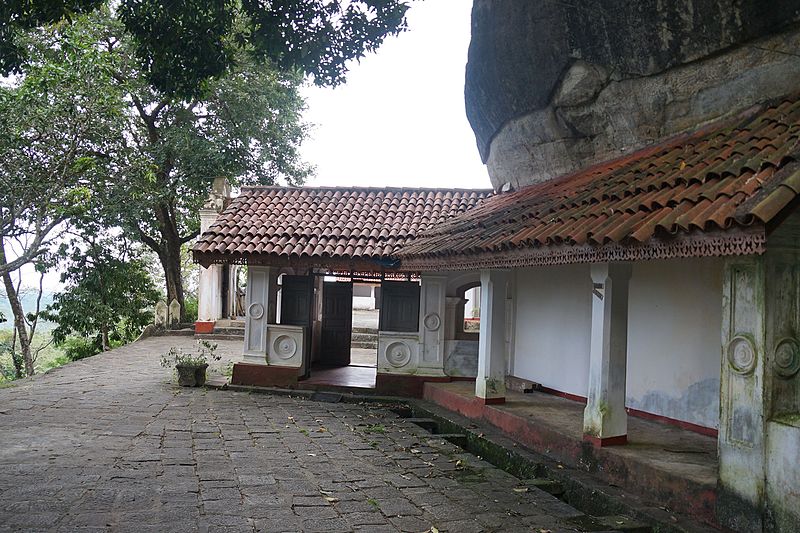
[265, 224]
[720, 180]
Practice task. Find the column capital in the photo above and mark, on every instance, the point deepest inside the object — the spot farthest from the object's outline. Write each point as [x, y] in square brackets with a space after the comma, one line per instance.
[600, 272]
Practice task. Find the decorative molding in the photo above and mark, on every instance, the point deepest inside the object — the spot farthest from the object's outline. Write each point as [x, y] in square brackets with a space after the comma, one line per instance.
[284, 347]
[398, 354]
[749, 241]
[742, 355]
[787, 357]
[432, 321]
[256, 310]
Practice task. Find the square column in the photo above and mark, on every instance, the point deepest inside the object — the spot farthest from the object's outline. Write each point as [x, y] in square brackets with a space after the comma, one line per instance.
[209, 286]
[490, 385]
[260, 309]
[605, 421]
[451, 323]
[432, 325]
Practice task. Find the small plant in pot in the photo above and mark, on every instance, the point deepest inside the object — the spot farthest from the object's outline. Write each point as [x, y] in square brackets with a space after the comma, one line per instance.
[191, 367]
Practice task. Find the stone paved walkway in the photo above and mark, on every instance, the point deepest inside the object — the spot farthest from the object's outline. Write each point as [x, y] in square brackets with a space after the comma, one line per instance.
[110, 444]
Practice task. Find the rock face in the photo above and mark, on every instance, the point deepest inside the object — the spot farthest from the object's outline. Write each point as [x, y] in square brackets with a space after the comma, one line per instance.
[552, 87]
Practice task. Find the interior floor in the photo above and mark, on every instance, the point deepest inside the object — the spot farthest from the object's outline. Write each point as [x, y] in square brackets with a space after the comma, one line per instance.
[360, 377]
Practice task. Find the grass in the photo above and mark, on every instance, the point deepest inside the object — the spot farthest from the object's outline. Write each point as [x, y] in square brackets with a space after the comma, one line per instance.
[375, 428]
[49, 357]
[373, 503]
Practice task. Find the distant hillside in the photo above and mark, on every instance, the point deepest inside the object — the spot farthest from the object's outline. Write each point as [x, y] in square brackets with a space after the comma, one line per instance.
[28, 303]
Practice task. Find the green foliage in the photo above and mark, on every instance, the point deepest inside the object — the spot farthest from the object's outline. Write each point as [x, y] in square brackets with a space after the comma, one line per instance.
[107, 297]
[56, 362]
[20, 15]
[247, 126]
[191, 308]
[206, 352]
[76, 348]
[181, 45]
[59, 127]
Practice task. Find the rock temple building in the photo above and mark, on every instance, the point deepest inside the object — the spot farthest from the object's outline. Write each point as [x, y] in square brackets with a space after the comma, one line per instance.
[638, 259]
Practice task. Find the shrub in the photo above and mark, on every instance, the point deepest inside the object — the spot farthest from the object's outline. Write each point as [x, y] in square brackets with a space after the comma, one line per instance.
[76, 348]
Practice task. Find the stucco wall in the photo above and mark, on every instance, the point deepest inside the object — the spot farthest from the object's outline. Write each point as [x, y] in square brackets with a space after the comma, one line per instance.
[675, 316]
[674, 324]
[553, 327]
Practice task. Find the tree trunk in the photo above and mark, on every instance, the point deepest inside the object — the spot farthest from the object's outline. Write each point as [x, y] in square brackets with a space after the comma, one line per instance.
[170, 256]
[19, 371]
[104, 338]
[19, 315]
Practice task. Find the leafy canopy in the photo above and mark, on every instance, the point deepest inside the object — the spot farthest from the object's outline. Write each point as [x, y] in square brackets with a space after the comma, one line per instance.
[108, 293]
[59, 129]
[181, 44]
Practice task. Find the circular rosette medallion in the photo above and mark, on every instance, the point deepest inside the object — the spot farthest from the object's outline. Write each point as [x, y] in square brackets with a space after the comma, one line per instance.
[787, 358]
[256, 310]
[398, 354]
[432, 321]
[741, 355]
[284, 347]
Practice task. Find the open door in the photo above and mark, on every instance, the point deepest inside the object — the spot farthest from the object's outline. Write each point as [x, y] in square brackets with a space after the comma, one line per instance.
[337, 323]
[297, 309]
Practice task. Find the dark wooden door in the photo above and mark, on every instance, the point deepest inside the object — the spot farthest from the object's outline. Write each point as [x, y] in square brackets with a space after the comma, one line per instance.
[337, 323]
[399, 306]
[297, 300]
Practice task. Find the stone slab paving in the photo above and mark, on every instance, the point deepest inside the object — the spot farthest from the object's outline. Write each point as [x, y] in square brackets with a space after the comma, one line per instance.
[111, 444]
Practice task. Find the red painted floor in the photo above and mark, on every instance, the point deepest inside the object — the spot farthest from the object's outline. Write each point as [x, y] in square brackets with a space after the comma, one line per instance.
[672, 466]
[359, 377]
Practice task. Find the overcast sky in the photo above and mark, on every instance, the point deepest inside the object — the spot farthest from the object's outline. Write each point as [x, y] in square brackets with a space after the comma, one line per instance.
[399, 120]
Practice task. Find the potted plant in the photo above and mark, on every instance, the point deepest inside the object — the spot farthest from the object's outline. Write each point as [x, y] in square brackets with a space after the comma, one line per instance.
[191, 367]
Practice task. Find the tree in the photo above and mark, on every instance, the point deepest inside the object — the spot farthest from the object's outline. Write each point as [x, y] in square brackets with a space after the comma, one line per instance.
[108, 292]
[247, 127]
[56, 139]
[21, 344]
[181, 44]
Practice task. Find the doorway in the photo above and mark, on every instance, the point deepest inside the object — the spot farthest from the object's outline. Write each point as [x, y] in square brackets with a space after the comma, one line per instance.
[337, 323]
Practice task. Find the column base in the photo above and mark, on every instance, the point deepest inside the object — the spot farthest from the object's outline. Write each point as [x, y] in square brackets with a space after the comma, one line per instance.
[404, 384]
[601, 442]
[491, 401]
[262, 375]
[204, 326]
[255, 359]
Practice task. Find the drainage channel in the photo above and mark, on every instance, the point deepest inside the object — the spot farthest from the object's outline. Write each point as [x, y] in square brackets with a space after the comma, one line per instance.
[602, 512]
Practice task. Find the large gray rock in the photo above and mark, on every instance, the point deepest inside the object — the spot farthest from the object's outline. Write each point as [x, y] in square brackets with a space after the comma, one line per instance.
[555, 86]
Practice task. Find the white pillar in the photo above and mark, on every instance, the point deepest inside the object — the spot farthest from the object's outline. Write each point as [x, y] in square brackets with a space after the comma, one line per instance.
[490, 385]
[432, 327]
[209, 286]
[260, 307]
[451, 325]
[605, 421]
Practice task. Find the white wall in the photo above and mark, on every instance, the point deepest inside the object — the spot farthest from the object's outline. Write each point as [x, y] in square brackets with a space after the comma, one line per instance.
[674, 346]
[553, 327]
[675, 318]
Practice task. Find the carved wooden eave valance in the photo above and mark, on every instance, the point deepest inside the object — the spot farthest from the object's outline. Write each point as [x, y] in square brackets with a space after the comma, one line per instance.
[746, 241]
